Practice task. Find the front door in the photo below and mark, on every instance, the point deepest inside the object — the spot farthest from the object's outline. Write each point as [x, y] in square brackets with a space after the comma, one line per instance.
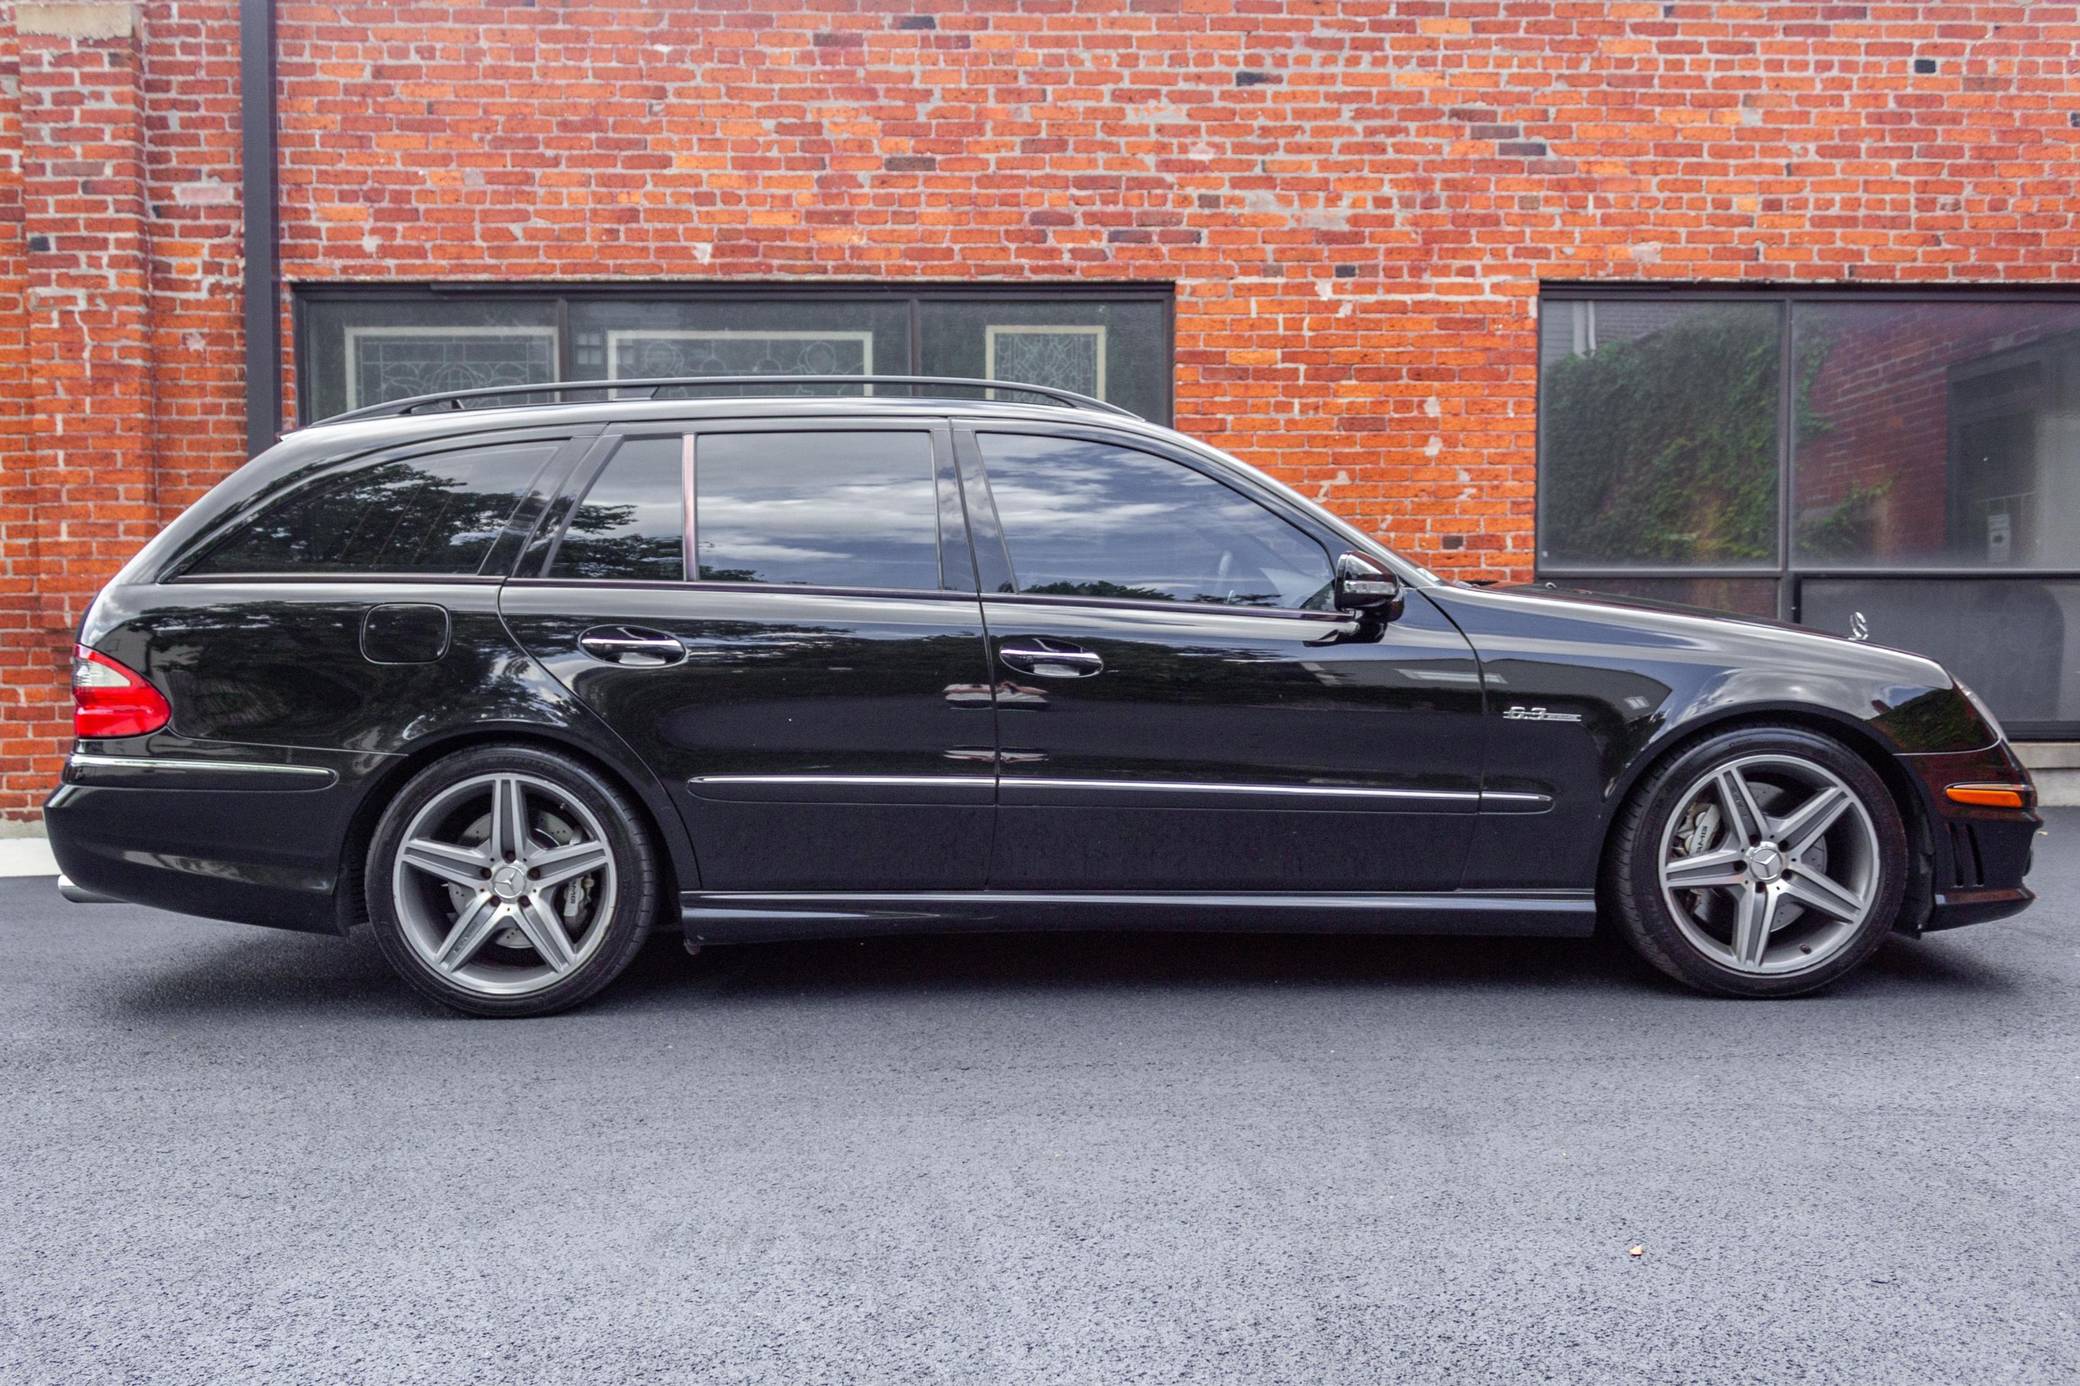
[781, 619]
[1178, 709]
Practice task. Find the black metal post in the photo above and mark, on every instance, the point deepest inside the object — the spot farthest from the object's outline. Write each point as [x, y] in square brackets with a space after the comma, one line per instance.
[263, 305]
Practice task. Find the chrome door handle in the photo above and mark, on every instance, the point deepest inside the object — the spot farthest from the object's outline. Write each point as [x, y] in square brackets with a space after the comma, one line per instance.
[632, 647]
[1051, 659]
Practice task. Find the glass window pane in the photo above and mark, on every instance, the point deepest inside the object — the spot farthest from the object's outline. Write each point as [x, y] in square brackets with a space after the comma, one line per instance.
[2012, 639]
[640, 338]
[1740, 596]
[1089, 519]
[437, 513]
[1938, 433]
[632, 523]
[1658, 433]
[371, 351]
[1118, 352]
[826, 509]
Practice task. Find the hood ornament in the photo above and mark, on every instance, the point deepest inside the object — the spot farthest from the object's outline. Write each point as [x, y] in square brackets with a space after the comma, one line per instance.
[1859, 629]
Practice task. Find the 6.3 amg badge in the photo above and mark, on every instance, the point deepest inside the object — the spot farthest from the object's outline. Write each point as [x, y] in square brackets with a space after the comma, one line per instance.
[1517, 712]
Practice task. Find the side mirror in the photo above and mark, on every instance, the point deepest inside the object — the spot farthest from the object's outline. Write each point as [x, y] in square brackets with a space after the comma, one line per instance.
[1366, 589]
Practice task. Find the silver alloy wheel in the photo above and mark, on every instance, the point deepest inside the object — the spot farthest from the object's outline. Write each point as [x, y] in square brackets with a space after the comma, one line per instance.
[1770, 864]
[504, 884]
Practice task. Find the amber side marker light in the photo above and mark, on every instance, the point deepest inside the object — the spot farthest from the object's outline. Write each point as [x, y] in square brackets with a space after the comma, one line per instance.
[2013, 796]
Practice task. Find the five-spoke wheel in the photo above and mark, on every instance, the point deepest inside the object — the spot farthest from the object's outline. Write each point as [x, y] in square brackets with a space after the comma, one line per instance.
[1770, 863]
[1761, 862]
[510, 881]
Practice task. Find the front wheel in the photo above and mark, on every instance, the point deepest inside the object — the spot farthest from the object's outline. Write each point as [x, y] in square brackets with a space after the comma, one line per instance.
[1760, 862]
[509, 881]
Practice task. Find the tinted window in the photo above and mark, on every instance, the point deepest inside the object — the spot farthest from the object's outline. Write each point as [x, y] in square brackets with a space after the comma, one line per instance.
[632, 523]
[1658, 433]
[1937, 433]
[1092, 520]
[438, 513]
[826, 509]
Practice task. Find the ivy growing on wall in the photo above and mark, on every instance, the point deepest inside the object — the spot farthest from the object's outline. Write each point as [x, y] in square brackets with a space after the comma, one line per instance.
[1662, 448]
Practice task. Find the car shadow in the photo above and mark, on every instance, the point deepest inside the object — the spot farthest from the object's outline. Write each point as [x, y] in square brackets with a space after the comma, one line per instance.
[269, 973]
[1128, 961]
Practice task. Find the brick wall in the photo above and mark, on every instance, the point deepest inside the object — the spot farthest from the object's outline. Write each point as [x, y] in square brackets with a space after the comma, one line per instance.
[1356, 201]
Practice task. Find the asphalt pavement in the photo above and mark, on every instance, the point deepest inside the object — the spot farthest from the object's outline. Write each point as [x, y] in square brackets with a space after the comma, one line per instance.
[231, 1154]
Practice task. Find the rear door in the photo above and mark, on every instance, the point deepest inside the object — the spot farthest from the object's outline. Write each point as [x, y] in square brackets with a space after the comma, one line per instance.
[781, 618]
[1179, 709]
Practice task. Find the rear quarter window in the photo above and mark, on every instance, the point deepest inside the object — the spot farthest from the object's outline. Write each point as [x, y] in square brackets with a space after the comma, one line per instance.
[433, 513]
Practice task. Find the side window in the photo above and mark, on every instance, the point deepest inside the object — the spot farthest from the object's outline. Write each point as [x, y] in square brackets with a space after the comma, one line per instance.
[826, 509]
[632, 523]
[1090, 519]
[435, 513]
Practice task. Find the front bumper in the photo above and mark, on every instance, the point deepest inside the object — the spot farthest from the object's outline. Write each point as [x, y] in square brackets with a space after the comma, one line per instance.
[1978, 856]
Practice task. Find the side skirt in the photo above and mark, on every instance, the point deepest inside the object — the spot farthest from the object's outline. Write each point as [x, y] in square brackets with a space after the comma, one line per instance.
[712, 917]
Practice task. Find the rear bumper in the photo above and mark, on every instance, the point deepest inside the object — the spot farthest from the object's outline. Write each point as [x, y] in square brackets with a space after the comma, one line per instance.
[267, 855]
[1980, 856]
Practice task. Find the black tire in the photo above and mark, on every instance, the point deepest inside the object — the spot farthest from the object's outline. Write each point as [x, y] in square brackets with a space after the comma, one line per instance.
[1633, 888]
[622, 829]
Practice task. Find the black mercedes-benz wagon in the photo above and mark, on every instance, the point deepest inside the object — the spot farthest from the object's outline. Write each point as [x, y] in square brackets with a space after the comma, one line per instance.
[513, 676]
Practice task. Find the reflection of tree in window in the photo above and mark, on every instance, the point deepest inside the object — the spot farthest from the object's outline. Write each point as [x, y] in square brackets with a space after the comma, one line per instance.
[604, 541]
[1661, 446]
[632, 522]
[430, 515]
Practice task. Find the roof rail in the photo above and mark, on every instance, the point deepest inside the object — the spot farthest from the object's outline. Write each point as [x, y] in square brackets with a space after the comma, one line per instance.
[454, 399]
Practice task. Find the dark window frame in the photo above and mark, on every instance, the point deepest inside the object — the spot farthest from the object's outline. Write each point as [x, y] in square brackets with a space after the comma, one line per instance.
[560, 294]
[1788, 572]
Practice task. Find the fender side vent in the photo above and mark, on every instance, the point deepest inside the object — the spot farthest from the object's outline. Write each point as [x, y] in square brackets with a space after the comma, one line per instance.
[1965, 867]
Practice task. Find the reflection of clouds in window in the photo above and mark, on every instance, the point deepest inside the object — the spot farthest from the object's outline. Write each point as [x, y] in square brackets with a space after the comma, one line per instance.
[763, 551]
[829, 509]
[1090, 519]
[769, 506]
[1093, 499]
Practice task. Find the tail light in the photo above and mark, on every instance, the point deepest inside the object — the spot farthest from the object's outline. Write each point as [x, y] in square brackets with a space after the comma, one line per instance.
[109, 699]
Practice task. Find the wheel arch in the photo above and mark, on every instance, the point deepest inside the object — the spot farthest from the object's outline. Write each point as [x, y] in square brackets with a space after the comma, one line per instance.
[1853, 735]
[674, 850]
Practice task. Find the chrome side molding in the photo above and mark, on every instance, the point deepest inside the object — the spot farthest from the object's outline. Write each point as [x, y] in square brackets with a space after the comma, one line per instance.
[84, 760]
[1495, 801]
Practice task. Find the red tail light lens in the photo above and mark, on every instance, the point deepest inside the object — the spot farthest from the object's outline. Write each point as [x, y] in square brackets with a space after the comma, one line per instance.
[110, 700]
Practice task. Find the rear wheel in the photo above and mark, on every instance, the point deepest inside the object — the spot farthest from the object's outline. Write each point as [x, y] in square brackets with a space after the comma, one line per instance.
[1760, 862]
[510, 881]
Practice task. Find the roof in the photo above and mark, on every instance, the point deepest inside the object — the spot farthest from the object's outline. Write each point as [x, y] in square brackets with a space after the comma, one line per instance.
[387, 425]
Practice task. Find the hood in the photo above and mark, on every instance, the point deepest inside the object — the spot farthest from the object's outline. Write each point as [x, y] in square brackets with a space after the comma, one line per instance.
[1652, 615]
